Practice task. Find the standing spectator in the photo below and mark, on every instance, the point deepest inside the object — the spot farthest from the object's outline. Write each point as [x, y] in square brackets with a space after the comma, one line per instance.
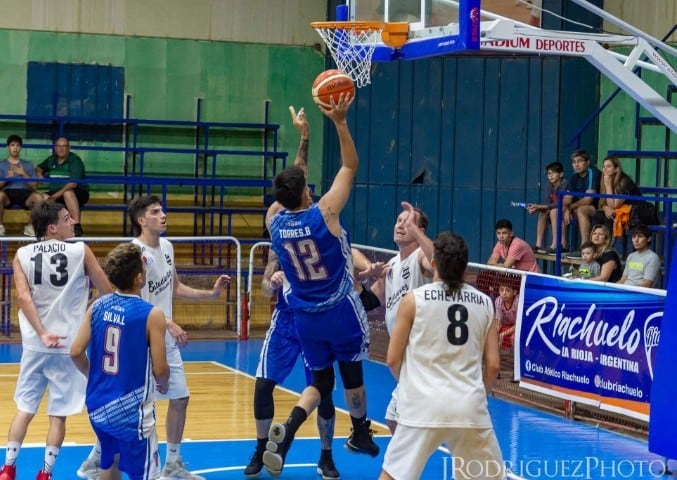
[17, 191]
[443, 332]
[614, 213]
[586, 179]
[607, 257]
[511, 251]
[51, 282]
[589, 268]
[150, 223]
[407, 270]
[65, 164]
[547, 212]
[643, 266]
[128, 362]
[314, 252]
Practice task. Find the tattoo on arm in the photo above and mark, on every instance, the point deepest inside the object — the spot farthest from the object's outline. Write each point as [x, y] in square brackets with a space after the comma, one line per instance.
[302, 153]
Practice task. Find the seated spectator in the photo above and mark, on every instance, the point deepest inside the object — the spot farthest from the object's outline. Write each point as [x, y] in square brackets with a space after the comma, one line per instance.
[65, 164]
[614, 213]
[17, 192]
[511, 251]
[506, 309]
[643, 266]
[607, 257]
[589, 268]
[547, 211]
[586, 179]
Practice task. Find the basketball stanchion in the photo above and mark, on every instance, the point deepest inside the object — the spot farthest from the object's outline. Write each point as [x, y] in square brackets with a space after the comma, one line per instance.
[244, 332]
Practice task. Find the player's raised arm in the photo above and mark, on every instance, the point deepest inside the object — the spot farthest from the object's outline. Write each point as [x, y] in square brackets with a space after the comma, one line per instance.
[335, 199]
[301, 123]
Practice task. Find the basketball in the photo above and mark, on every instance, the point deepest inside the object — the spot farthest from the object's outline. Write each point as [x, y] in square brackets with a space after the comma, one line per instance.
[331, 83]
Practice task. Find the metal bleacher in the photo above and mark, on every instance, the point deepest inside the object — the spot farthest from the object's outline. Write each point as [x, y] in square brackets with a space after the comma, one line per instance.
[213, 186]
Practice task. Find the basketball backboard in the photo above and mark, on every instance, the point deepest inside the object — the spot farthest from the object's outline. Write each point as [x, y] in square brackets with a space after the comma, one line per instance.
[437, 13]
[437, 27]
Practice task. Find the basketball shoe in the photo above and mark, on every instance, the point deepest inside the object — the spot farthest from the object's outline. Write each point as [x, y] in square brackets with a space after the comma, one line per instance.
[177, 471]
[255, 466]
[279, 441]
[89, 470]
[42, 475]
[8, 472]
[326, 467]
[361, 440]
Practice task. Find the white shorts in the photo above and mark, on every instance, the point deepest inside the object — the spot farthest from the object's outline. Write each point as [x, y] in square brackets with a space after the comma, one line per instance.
[178, 388]
[39, 371]
[475, 452]
[391, 409]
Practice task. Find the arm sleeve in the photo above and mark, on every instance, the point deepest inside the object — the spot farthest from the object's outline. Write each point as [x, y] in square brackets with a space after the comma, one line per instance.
[43, 165]
[652, 269]
[77, 168]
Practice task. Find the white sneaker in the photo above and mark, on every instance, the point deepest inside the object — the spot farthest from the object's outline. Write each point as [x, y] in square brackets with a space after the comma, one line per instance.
[89, 470]
[2, 230]
[177, 471]
[29, 231]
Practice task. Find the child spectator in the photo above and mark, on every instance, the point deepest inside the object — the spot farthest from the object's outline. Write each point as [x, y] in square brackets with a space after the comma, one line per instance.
[642, 266]
[589, 268]
[506, 309]
[547, 212]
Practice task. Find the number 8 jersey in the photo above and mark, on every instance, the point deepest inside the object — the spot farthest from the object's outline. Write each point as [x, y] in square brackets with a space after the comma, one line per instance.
[441, 377]
[60, 289]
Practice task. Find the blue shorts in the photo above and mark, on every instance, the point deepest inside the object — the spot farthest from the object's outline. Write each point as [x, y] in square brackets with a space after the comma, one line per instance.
[280, 349]
[139, 458]
[338, 334]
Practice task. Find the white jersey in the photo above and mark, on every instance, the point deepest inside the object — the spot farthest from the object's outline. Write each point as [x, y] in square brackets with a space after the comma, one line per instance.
[159, 287]
[441, 377]
[402, 276]
[59, 288]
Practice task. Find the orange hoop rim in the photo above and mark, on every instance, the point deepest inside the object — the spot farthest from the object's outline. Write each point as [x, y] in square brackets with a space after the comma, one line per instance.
[393, 34]
[358, 26]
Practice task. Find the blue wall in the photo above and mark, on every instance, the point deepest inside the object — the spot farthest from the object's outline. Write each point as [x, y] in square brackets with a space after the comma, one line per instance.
[463, 136]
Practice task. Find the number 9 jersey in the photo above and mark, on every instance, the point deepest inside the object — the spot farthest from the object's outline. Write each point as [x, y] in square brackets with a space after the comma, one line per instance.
[55, 271]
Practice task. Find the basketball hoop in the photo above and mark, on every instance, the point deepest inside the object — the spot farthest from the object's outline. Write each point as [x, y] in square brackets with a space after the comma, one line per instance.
[352, 44]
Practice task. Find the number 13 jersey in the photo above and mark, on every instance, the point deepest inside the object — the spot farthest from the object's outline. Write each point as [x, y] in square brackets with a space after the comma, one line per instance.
[441, 377]
[60, 289]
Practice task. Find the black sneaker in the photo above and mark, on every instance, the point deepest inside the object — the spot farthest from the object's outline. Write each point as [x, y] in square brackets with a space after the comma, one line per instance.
[576, 255]
[255, 466]
[326, 467]
[361, 440]
[279, 441]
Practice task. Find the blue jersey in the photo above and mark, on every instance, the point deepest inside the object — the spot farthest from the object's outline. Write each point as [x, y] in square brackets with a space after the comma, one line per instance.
[120, 385]
[317, 264]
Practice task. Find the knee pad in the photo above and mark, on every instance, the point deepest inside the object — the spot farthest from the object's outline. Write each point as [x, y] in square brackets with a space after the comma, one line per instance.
[264, 407]
[323, 380]
[369, 300]
[351, 374]
[326, 409]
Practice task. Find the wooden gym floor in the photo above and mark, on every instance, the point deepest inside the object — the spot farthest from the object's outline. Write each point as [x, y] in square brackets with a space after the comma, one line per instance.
[219, 435]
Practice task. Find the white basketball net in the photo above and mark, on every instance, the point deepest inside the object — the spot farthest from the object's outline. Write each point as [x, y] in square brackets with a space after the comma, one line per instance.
[352, 50]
